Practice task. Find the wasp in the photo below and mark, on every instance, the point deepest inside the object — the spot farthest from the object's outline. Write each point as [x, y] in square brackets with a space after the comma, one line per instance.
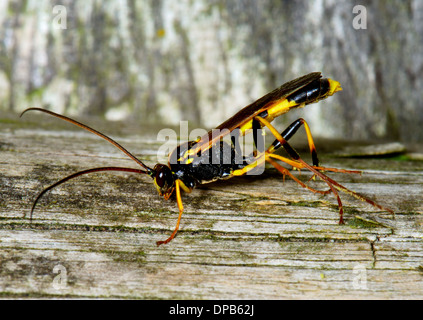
[209, 158]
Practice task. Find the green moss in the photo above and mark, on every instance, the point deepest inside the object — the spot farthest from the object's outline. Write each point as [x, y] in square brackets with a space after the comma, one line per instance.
[402, 157]
[36, 93]
[10, 121]
[125, 256]
[309, 204]
[358, 222]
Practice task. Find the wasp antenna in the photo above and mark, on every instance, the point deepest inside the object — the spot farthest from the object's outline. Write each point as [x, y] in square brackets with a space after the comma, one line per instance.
[83, 126]
[77, 174]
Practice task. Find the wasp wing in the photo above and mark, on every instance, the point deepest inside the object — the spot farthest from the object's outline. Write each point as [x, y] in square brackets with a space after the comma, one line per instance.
[254, 109]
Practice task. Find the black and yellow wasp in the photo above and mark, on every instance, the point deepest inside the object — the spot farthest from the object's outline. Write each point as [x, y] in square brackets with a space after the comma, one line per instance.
[209, 158]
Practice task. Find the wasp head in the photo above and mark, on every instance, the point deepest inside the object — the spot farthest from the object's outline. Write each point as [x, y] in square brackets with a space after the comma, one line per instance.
[163, 180]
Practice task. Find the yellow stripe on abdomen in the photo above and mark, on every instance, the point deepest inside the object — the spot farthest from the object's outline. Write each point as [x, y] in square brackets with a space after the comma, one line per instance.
[273, 112]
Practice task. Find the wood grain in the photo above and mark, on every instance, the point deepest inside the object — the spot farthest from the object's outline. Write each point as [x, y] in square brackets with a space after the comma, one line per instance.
[246, 238]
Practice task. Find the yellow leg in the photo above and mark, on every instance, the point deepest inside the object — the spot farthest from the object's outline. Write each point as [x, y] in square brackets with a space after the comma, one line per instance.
[285, 172]
[296, 157]
[181, 210]
[291, 130]
[299, 163]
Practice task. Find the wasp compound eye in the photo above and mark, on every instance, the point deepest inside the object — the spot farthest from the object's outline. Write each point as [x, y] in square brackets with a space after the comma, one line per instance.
[163, 178]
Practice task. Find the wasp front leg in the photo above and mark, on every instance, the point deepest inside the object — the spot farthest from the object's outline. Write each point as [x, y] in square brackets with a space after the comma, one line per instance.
[178, 186]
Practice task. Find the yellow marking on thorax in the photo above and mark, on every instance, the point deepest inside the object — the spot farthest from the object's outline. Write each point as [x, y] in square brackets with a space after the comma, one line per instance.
[260, 161]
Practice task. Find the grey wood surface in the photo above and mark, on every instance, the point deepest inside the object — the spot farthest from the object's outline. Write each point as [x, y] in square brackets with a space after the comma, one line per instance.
[245, 238]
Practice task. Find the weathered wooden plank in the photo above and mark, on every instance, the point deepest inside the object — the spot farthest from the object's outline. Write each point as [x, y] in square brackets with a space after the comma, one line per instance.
[249, 237]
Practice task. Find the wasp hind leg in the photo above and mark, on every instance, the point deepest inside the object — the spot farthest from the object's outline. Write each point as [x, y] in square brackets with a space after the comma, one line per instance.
[300, 163]
[288, 133]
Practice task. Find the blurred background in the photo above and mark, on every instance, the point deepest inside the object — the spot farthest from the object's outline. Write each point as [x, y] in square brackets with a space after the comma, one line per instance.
[162, 61]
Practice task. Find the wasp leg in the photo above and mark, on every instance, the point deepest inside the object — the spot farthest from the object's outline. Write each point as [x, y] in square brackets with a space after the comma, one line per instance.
[258, 137]
[295, 156]
[285, 172]
[333, 185]
[181, 210]
[289, 132]
[299, 165]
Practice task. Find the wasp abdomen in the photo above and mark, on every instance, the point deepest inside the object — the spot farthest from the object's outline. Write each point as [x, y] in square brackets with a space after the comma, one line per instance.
[314, 91]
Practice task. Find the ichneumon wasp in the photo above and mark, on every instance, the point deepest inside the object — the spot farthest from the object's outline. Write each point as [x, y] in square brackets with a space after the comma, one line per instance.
[209, 158]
